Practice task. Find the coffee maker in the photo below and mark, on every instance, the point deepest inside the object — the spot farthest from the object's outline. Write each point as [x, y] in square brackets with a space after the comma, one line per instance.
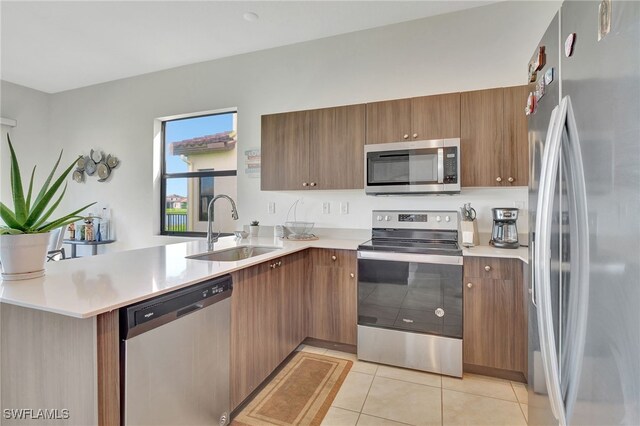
[505, 232]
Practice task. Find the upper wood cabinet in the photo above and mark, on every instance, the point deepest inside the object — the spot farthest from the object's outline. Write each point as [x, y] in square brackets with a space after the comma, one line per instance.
[421, 118]
[493, 137]
[516, 136]
[495, 318]
[316, 149]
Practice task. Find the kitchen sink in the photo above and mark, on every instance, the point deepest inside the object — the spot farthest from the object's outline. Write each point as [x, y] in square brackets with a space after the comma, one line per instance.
[234, 254]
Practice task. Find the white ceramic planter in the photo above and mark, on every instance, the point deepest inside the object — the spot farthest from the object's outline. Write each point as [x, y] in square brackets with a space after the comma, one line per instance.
[254, 230]
[23, 256]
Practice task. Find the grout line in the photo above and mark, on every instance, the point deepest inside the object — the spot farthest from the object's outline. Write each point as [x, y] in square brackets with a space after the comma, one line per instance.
[483, 396]
[441, 402]
[523, 415]
[367, 396]
[384, 418]
[407, 381]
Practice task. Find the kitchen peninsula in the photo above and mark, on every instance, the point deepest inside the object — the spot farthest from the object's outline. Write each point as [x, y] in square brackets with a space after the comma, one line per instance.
[60, 333]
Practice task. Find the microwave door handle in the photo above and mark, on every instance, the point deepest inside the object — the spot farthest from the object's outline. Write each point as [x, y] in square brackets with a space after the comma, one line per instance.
[440, 165]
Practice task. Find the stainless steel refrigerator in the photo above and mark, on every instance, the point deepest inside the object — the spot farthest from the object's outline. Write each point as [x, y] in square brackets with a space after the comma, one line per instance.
[584, 201]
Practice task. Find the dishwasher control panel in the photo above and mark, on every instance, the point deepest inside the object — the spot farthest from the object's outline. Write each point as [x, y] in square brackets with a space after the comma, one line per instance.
[155, 312]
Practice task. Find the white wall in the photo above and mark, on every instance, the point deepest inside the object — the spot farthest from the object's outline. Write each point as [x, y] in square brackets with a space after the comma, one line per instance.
[474, 49]
[30, 138]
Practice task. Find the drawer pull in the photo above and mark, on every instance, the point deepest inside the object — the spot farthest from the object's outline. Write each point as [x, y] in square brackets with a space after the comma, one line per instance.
[469, 285]
[407, 320]
[352, 275]
[334, 257]
[487, 268]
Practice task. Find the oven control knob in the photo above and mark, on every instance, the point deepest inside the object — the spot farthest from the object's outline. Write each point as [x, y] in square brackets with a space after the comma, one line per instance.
[387, 218]
[438, 218]
[378, 218]
[447, 219]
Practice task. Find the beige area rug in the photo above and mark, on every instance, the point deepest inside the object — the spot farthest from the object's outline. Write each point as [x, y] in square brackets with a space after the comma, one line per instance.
[300, 394]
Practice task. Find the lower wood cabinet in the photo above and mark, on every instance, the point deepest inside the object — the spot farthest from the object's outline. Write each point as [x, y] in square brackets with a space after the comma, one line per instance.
[495, 317]
[332, 295]
[267, 320]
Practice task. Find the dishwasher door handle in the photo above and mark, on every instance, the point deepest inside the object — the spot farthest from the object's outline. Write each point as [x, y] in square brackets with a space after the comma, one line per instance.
[189, 309]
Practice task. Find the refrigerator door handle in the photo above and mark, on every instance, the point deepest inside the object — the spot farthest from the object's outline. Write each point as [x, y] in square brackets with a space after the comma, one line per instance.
[533, 277]
[578, 302]
[542, 256]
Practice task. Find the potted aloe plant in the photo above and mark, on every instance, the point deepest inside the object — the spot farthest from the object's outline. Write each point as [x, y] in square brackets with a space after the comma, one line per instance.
[24, 238]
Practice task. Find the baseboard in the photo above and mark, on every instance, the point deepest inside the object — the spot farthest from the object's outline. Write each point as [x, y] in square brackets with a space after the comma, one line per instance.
[516, 376]
[325, 344]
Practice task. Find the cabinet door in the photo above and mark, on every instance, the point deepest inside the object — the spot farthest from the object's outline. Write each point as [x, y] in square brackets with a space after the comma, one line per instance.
[292, 315]
[516, 143]
[435, 117]
[481, 135]
[336, 146]
[388, 121]
[332, 296]
[285, 151]
[254, 329]
[495, 324]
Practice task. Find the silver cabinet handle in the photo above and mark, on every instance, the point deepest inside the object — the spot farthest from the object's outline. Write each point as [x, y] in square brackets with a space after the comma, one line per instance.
[313, 184]
[305, 184]
[498, 179]
[352, 275]
[272, 266]
[279, 262]
[469, 285]
[406, 136]
[510, 179]
[415, 135]
[334, 257]
[487, 268]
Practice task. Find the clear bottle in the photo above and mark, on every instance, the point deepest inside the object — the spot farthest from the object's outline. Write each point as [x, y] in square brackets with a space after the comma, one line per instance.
[105, 224]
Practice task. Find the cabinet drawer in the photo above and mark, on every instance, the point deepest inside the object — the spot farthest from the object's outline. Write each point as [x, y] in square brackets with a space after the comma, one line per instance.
[331, 257]
[491, 267]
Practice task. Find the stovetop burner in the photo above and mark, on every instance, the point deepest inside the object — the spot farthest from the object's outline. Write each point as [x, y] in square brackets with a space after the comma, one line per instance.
[423, 232]
[412, 246]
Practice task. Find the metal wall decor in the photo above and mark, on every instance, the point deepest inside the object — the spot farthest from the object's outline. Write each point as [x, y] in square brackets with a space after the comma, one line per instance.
[96, 163]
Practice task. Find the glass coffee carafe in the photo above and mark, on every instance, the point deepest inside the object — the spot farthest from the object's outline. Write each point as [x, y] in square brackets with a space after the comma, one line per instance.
[505, 231]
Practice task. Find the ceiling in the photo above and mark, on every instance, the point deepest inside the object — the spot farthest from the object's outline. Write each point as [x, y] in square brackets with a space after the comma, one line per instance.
[55, 46]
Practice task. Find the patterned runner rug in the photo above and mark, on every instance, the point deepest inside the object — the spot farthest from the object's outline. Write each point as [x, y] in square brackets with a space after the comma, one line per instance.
[300, 394]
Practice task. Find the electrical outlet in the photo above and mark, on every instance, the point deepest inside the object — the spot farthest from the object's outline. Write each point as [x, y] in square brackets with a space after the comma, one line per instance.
[272, 207]
[344, 207]
[326, 208]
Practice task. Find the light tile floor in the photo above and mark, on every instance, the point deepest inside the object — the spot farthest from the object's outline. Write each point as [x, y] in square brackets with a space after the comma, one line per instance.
[375, 394]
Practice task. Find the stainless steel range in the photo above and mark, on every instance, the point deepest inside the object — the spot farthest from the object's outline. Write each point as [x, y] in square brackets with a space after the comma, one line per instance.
[410, 292]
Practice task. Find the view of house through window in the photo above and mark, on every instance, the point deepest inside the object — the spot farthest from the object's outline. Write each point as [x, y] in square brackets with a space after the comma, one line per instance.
[200, 162]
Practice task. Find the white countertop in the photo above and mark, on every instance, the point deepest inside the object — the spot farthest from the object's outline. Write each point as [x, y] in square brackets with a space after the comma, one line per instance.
[88, 286]
[521, 253]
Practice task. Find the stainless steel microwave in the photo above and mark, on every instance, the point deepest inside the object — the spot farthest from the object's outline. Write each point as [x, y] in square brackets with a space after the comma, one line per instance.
[416, 167]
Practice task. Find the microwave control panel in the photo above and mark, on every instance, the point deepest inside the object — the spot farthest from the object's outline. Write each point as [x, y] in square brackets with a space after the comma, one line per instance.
[450, 165]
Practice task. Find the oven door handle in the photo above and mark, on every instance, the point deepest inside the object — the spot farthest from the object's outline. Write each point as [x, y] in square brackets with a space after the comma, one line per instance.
[410, 257]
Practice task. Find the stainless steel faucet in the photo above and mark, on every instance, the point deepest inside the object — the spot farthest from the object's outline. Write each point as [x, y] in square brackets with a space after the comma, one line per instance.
[234, 214]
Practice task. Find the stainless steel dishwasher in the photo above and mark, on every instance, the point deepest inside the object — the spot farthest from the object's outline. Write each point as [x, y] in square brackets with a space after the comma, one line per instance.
[175, 357]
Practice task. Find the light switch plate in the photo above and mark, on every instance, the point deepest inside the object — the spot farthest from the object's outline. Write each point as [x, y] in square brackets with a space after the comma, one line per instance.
[271, 207]
[344, 207]
[326, 208]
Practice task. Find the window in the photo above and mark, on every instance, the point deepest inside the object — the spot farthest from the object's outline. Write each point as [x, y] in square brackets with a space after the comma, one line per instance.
[199, 161]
